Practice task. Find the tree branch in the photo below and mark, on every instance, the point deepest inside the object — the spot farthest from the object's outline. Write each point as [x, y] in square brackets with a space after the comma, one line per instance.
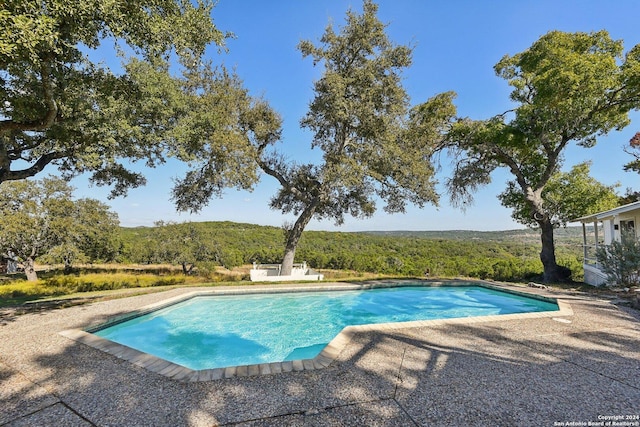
[266, 168]
[38, 166]
[49, 101]
[511, 164]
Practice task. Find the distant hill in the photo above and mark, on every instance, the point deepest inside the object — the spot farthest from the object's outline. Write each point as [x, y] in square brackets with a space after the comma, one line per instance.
[501, 255]
[563, 235]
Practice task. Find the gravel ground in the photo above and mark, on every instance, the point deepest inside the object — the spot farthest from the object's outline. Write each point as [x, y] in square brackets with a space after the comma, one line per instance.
[528, 372]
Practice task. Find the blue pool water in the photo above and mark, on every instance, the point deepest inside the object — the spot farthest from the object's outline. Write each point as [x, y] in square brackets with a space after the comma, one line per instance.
[219, 331]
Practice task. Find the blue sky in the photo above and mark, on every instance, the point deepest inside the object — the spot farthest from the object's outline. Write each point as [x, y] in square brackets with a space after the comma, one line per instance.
[456, 44]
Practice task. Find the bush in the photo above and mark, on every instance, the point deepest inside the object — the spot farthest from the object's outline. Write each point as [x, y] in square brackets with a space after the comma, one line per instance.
[620, 261]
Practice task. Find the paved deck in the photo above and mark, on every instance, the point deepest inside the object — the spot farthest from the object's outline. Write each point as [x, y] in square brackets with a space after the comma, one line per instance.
[568, 370]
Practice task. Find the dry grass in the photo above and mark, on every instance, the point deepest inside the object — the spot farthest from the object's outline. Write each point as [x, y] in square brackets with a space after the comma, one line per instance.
[56, 285]
[15, 289]
[88, 282]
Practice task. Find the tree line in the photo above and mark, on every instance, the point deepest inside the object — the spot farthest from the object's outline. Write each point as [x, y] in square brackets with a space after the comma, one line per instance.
[42, 223]
[231, 244]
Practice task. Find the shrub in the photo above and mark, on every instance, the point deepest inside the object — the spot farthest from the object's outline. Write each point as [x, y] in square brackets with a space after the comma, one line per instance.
[620, 261]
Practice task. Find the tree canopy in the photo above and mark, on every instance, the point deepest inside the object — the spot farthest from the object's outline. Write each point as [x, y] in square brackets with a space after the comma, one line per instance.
[181, 244]
[60, 108]
[41, 218]
[567, 88]
[567, 196]
[217, 136]
[373, 145]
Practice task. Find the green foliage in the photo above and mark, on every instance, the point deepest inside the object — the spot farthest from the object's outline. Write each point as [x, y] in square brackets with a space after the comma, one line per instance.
[59, 26]
[509, 256]
[219, 121]
[567, 196]
[220, 243]
[177, 244]
[68, 284]
[40, 218]
[66, 253]
[568, 87]
[634, 150]
[620, 261]
[629, 196]
[59, 107]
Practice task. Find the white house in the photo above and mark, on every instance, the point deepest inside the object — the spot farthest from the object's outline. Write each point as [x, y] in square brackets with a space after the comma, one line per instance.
[608, 226]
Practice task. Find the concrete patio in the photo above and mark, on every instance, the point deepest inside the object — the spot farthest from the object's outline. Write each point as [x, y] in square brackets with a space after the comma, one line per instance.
[548, 371]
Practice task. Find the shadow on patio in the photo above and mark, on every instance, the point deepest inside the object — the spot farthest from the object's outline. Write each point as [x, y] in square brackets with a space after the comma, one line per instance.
[530, 372]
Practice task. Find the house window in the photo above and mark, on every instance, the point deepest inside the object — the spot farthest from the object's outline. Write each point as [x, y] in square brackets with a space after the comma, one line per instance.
[627, 228]
[627, 225]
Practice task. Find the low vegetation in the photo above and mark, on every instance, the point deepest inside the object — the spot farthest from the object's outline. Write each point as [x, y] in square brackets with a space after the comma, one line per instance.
[620, 261]
[222, 252]
[58, 284]
[508, 256]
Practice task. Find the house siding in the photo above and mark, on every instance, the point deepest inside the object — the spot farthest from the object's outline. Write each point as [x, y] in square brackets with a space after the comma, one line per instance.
[609, 232]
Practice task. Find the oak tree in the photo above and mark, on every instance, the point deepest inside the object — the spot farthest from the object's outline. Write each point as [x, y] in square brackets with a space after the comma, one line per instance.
[567, 88]
[37, 217]
[180, 244]
[374, 146]
[60, 108]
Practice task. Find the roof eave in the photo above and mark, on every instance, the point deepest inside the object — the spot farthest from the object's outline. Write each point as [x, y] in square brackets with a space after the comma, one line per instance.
[611, 212]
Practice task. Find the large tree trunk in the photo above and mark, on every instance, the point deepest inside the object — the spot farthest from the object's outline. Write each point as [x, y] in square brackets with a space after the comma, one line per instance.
[293, 237]
[287, 260]
[68, 265]
[548, 253]
[552, 272]
[187, 268]
[30, 270]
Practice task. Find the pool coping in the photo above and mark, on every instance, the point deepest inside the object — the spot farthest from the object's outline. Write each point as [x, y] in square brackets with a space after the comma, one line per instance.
[330, 352]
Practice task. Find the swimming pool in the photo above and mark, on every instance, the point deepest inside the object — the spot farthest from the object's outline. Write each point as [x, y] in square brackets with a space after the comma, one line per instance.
[208, 332]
